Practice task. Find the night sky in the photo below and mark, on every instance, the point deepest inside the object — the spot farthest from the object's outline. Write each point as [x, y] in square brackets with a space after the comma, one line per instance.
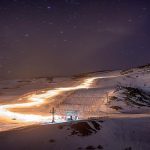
[64, 37]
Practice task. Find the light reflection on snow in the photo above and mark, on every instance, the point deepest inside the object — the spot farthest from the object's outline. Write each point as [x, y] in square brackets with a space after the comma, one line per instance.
[40, 99]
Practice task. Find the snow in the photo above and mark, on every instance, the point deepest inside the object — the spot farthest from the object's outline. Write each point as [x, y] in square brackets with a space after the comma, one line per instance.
[121, 121]
[90, 102]
[114, 133]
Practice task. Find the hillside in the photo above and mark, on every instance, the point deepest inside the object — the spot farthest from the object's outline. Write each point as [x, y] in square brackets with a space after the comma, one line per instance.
[113, 110]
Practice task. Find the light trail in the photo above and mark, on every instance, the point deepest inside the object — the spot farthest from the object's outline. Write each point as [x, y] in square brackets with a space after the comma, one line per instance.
[40, 99]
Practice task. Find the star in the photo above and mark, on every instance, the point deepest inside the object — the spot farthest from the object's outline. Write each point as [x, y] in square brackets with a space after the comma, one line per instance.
[65, 40]
[130, 20]
[61, 32]
[74, 27]
[50, 23]
[26, 35]
[9, 71]
[144, 8]
[49, 7]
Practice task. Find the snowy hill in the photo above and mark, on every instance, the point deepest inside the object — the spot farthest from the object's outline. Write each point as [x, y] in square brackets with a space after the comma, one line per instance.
[114, 112]
[103, 134]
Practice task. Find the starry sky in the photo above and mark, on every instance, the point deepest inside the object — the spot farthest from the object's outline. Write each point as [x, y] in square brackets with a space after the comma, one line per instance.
[65, 37]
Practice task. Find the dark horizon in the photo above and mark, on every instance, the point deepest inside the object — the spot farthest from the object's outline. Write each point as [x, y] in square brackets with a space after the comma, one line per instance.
[73, 74]
[62, 38]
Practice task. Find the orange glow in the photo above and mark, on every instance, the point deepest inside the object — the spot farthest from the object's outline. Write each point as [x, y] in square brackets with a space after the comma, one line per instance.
[39, 99]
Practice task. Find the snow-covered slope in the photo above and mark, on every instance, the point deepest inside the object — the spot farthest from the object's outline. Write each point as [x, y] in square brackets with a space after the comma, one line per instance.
[114, 92]
[117, 106]
[120, 91]
[102, 134]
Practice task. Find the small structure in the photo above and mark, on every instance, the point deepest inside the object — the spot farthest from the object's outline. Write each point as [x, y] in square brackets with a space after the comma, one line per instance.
[72, 115]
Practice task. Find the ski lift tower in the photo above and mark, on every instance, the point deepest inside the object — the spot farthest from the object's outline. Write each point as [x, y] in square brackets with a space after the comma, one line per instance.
[53, 114]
